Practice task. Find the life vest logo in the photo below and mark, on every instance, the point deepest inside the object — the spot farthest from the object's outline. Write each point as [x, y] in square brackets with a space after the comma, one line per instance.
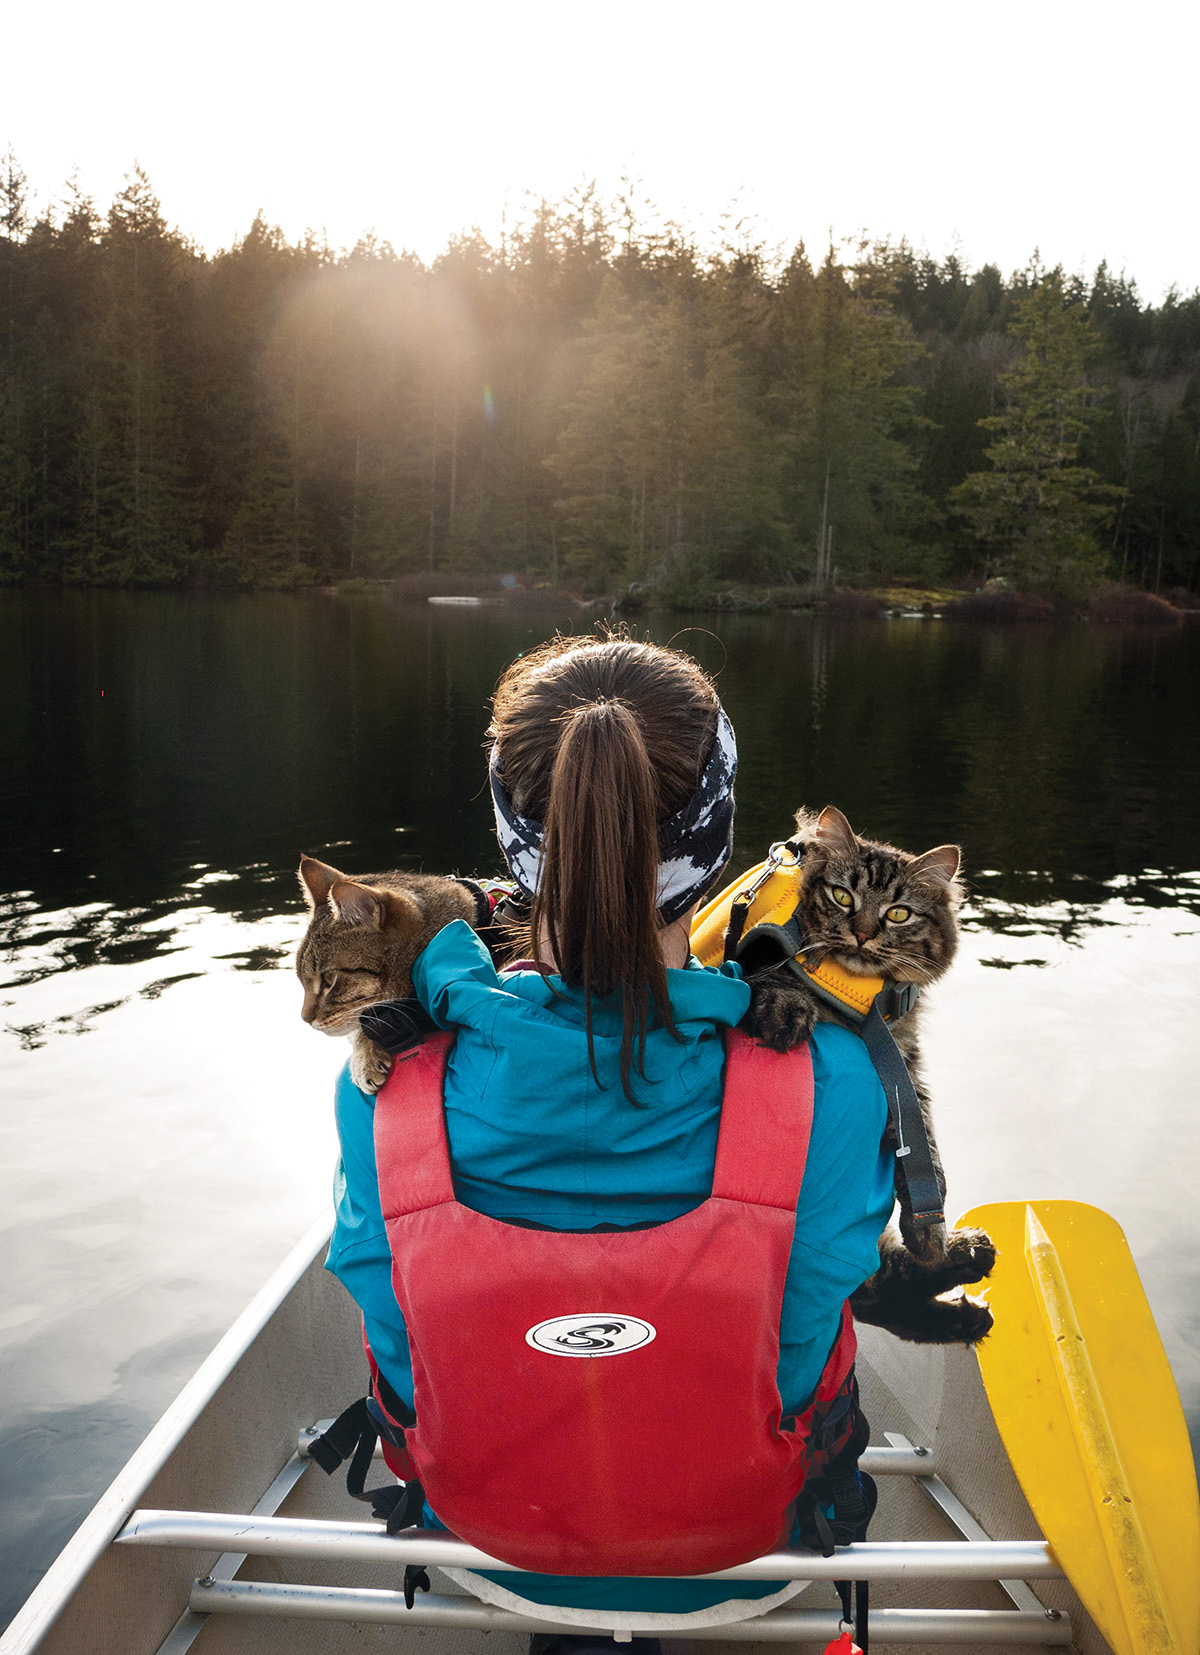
[592, 1335]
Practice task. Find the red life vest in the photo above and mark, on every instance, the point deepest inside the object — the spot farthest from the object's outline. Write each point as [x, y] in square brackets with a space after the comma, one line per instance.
[605, 1403]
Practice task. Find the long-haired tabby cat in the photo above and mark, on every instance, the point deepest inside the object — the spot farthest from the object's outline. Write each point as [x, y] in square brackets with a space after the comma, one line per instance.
[882, 912]
[364, 932]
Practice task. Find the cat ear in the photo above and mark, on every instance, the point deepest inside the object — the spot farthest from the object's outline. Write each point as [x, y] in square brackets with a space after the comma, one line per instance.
[834, 831]
[357, 904]
[367, 905]
[937, 867]
[317, 879]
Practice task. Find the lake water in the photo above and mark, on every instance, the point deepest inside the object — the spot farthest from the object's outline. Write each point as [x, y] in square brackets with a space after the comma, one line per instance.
[166, 1124]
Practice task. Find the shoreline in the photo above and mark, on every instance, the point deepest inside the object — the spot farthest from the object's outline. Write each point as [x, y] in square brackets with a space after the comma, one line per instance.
[1107, 602]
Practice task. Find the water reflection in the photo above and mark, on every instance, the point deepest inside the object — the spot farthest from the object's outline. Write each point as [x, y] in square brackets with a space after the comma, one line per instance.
[1093, 904]
[83, 941]
[167, 1129]
[97, 943]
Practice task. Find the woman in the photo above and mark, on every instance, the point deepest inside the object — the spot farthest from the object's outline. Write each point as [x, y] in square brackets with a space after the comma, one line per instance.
[582, 1101]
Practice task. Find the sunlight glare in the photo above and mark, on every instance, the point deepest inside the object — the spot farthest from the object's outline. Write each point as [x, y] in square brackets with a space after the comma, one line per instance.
[945, 124]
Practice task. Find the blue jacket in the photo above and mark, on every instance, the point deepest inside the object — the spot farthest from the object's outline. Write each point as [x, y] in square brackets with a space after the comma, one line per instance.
[533, 1137]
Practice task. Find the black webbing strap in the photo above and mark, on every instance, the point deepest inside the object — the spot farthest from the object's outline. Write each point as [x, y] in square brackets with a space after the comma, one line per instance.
[854, 1597]
[738, 911]
[920, 1191]
[862, 1615]
[395, 1025]
[854, 1498]
[483, 908]
[844, 1589]
[400, 1506]
[354, 1433]
[415, 1580]
[916, 1180]
[392, 1415]
[342, 1438]
[836, 1508]
[765, 945]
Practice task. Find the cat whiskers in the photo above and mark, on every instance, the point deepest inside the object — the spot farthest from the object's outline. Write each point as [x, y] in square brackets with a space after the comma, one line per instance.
[920, 968]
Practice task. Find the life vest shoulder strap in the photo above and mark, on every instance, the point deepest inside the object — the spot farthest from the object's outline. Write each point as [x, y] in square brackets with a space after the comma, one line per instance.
[766, 1123]
[762, 1144]
[412, 1157]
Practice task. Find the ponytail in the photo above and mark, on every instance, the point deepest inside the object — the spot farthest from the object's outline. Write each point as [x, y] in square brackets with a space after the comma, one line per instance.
[599, 741]
[596, 903]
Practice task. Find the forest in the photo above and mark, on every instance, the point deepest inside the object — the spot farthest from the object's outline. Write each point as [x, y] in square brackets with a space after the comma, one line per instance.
[594, 401]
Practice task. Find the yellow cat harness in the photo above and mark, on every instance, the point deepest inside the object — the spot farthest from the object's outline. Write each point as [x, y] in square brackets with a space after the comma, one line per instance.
[755, 921]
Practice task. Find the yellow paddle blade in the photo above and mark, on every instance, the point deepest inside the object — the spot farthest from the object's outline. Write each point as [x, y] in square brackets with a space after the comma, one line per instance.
[1087, 1408]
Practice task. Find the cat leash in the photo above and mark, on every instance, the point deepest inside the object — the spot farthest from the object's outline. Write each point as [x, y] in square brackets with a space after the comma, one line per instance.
[785, 853]
[918, 1185]
[917, 1182]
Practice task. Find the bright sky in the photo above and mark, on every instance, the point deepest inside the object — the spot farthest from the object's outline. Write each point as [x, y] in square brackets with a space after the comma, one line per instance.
[1035, 123]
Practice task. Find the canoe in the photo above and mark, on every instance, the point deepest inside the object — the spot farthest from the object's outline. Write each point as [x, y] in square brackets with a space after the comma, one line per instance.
[221, 1536]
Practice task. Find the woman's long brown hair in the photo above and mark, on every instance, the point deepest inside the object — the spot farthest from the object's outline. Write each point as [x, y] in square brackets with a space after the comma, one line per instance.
[601, 740]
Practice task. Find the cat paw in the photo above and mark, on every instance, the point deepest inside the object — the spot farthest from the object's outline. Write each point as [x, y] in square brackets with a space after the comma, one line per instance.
[970, 1256]
[937, 1262]
[370, 1065]
[781, 1014]
[926, 1242]
[954, 1319]
[961, 1320]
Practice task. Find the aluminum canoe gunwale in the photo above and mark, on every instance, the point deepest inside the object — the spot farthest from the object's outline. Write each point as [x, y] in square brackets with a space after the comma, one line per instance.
[95, 1534]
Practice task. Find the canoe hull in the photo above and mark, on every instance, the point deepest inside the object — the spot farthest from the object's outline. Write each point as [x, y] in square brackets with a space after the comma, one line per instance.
[236, 1425]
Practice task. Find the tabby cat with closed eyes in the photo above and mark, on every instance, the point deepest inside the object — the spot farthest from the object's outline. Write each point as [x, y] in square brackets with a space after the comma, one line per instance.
[882, 912]
[364, 935]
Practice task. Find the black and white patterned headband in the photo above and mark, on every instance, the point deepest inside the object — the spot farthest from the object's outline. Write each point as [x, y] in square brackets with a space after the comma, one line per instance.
[693, 845]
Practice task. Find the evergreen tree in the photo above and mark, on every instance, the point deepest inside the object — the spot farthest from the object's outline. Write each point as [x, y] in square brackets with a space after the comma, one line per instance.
[269, 541]
[1037, 510]
[845, 412]
[609, 451]
[15, 471]
[591, 399]
[145, 510]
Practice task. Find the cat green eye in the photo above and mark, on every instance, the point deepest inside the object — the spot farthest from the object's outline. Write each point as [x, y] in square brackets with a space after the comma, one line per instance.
[841, 896]
[898, 915]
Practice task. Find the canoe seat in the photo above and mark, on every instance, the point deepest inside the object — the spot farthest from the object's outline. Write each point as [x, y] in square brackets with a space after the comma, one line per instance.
[262, 1533]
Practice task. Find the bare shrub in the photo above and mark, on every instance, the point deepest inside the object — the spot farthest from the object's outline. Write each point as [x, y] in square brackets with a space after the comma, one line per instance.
[1001, 606]
[1134, 609]
[855, 606]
